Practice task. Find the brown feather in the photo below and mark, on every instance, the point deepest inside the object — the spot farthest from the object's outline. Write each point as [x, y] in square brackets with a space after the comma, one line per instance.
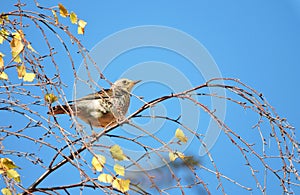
[106, 120]
[64, 109]
[60, 109]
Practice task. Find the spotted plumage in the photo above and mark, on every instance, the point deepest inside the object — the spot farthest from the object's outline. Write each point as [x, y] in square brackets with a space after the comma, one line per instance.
[103, 108]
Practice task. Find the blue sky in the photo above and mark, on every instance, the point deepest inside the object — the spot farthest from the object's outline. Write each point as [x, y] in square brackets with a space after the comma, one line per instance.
[255, 41]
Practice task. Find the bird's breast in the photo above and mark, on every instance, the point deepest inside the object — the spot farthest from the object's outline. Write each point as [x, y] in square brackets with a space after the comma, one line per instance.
[98, 111]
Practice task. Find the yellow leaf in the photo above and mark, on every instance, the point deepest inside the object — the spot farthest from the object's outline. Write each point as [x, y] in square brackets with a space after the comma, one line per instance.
[62, 10]
[4, 17]
[11, 173]
[50, 98]
[21, 71]
[30, 47]
[22, 74]
[117, 153]
[81, 26]
[180, 135]
[29, 77]
[174, 155]
[55, 16]
[121, 184]
[180, 155]
[16, 45]
[3, 35]
[106, 178]
[119, 169]
[98, 162]
[3, 76]
[73, 18]
[16, 57]
[6, 164]
[6, 191]
[1, 60]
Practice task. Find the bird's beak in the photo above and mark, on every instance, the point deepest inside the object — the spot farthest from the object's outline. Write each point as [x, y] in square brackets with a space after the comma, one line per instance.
[133, 83]
[136, 82]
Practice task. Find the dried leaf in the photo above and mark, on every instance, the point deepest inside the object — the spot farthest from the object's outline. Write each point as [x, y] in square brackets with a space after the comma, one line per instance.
[29, 77]
[119, 169]
[62, 10]
[181, 136]
[117, 153]
[81, 26]
[6, 191]
[98, 162]
[106, 178]
[121, 184]
[73, 18]
[50, 98]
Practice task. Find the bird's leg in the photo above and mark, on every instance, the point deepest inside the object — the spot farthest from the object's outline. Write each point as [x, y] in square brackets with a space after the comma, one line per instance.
[92, 129]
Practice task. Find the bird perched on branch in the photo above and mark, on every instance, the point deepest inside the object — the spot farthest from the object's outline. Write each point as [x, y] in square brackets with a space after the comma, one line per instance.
[103, 108]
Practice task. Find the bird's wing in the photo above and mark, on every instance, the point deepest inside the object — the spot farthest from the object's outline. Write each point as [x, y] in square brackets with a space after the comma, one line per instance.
[103, 94]
[81, 104]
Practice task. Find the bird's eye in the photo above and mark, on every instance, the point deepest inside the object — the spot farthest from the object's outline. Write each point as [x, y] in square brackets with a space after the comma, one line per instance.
[124, 82]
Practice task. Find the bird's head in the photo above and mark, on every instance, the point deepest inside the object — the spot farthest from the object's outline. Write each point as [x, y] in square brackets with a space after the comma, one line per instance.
[125, 84]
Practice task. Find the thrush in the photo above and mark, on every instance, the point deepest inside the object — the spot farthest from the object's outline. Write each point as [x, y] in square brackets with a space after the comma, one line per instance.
[103, 108]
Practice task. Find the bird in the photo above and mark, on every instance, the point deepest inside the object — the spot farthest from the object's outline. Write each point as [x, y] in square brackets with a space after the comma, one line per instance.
[103, 108]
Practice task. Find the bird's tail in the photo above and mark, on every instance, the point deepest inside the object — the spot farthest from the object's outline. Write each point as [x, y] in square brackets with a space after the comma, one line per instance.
[61, 109]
